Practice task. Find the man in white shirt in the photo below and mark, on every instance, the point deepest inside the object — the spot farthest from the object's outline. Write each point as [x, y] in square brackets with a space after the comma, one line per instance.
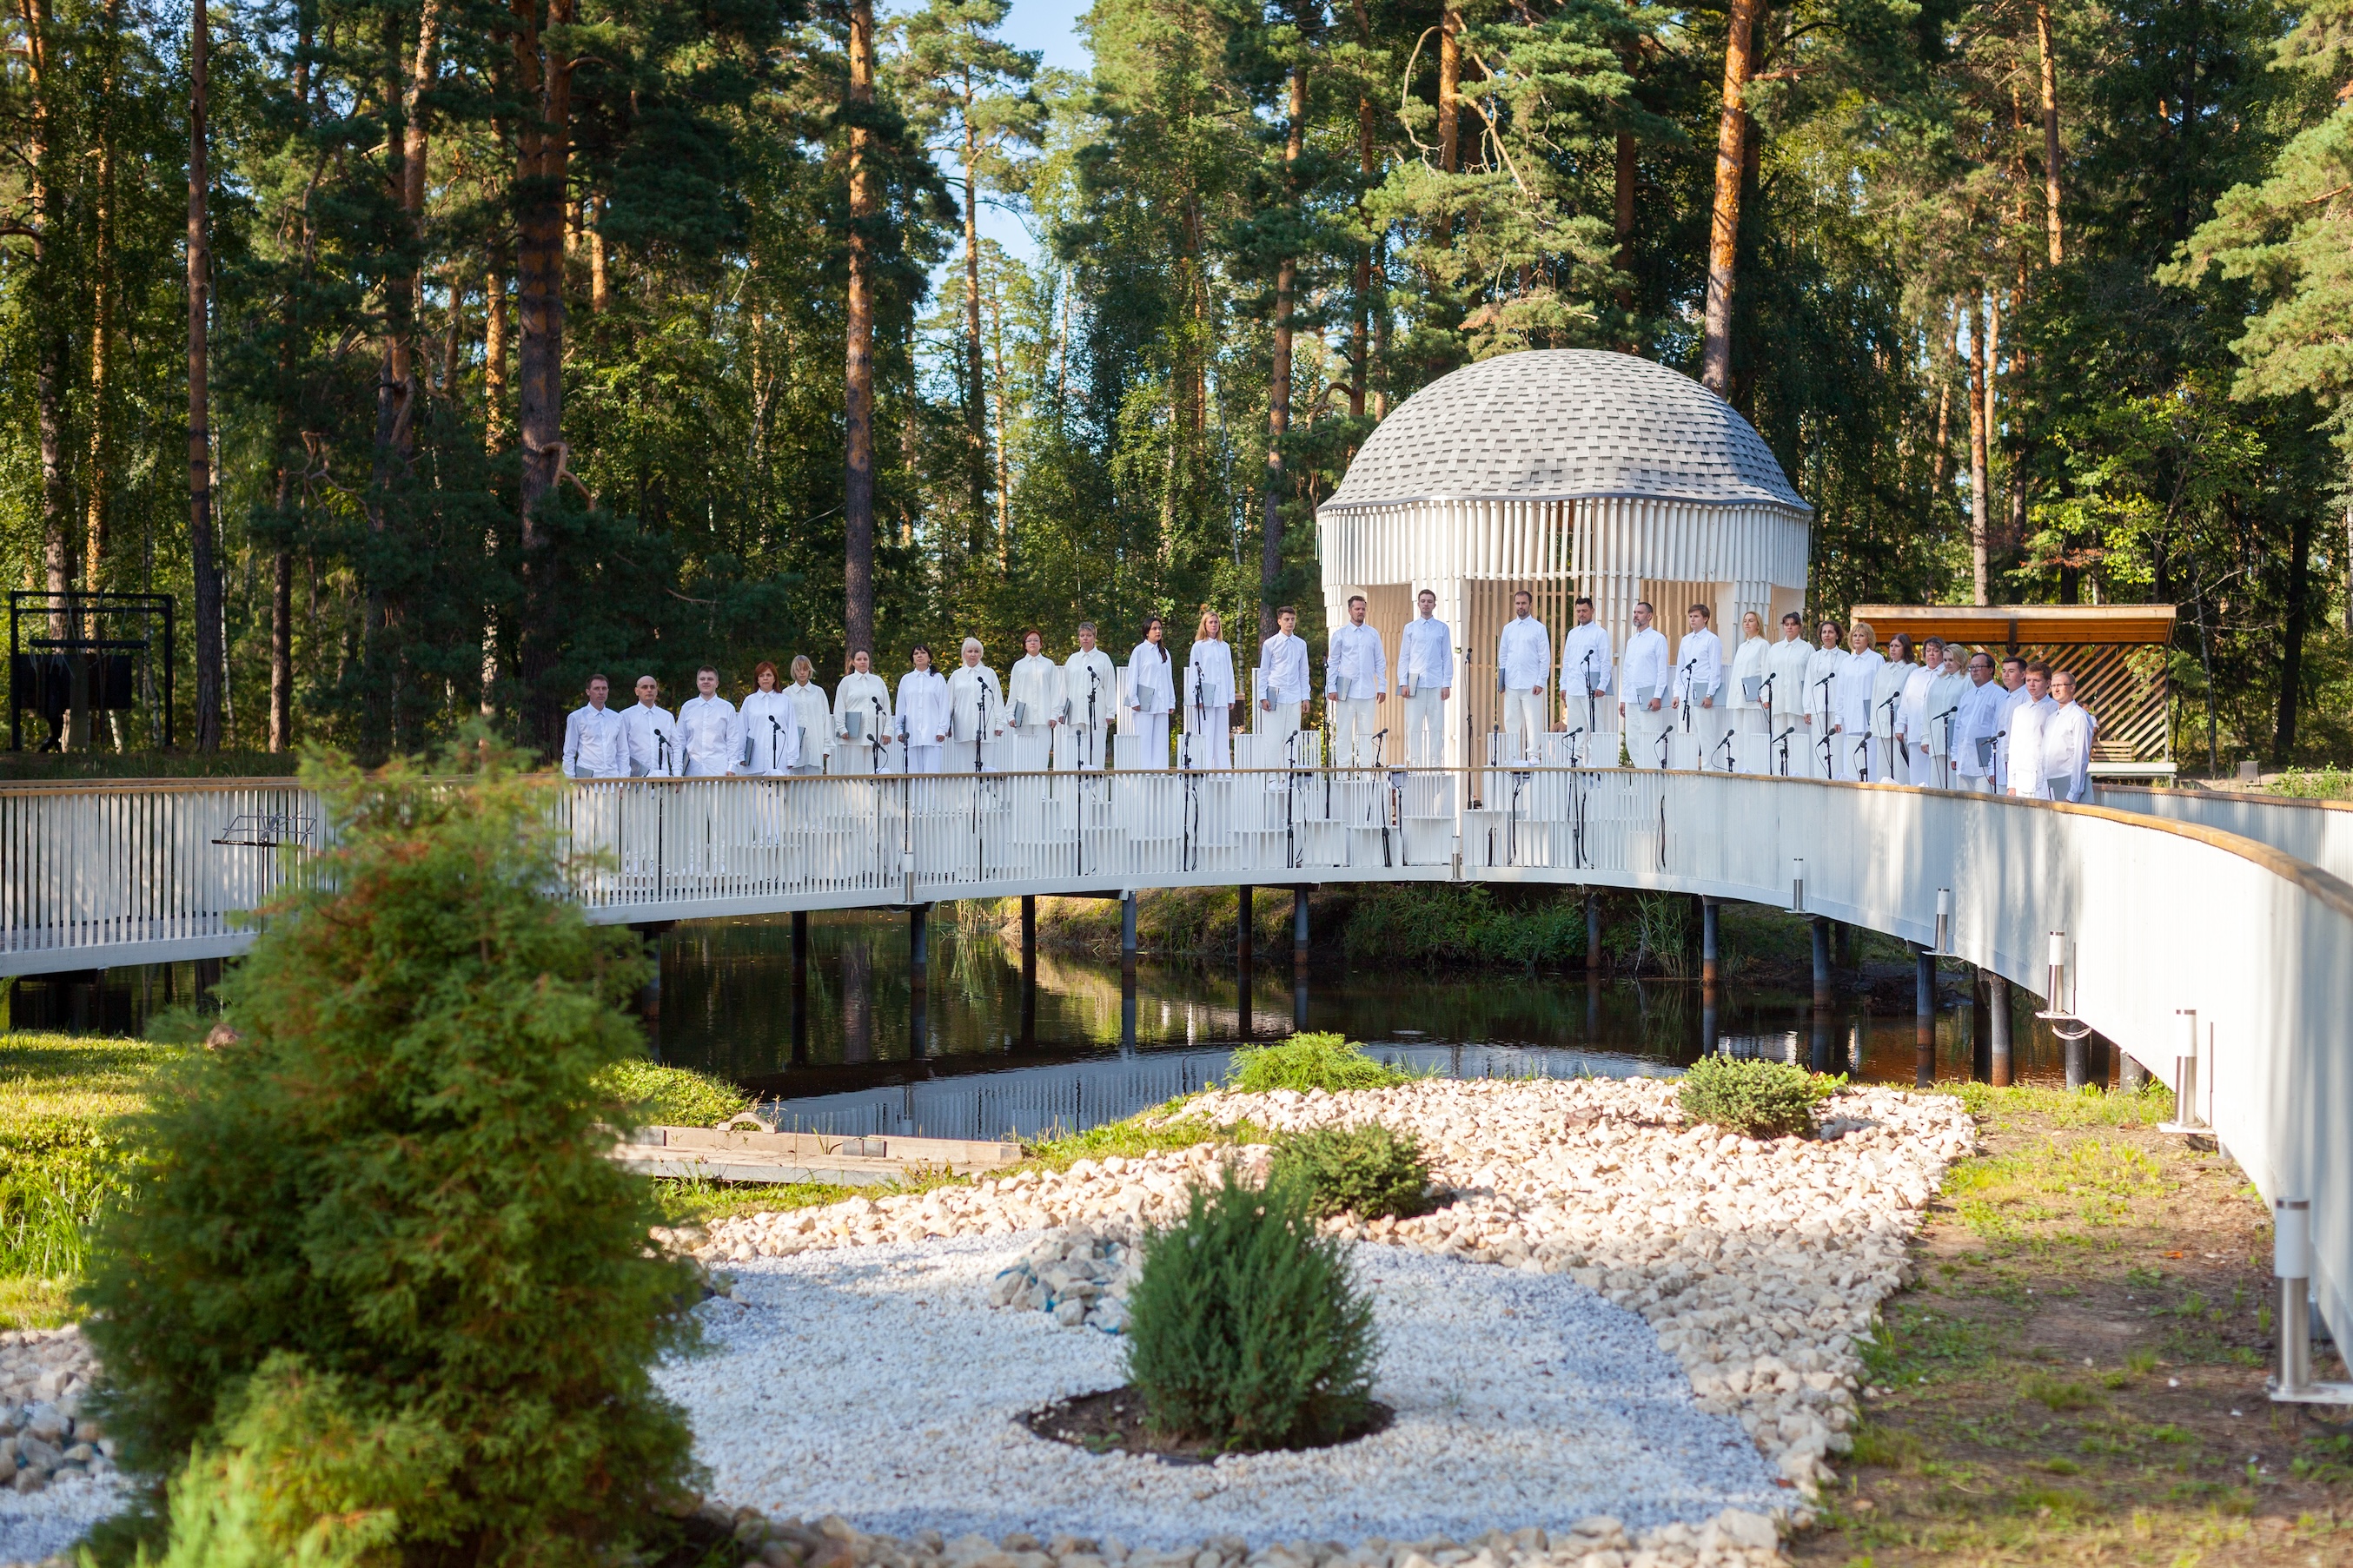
[1283, 691]
[1822, 668]
[596, 742]
[1522, 666]
[2026, 779]
[1356, 685]
[1790, 749]
[1699, 692]
[1645, 690]
[1091, 688]
[707, 731]
[1977, 726]
[976, 708]
[2067, 735]
[2014, 681]
[861, 718]
[1588, 665]
[1425, 681]
[653, 734]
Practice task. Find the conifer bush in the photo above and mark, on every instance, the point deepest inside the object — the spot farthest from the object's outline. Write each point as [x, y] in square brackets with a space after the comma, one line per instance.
[1245, 1328]
[1307, 1062]
[1761, 1098]
[1367, 1170]
[397, 1174]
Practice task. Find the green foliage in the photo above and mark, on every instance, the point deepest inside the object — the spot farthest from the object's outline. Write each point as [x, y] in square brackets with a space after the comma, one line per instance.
[1245, 1327]
[399, 1174]
[62, 1103]
[671, 1096]
[1430, 924]
[1761, 1098]
[1309, 1061]
[1366, 1170]
[2304, 783]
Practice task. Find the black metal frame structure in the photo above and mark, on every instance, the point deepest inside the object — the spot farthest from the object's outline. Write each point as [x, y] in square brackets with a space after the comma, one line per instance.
[81, 607]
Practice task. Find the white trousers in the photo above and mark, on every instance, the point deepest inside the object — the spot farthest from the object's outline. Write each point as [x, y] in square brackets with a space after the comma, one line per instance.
[1644, 731]
[925, 759]
[1752, 732]
[1078, 749]
[1146, 747]
[1425, 729]
[1598, 747]
[1353, 722]
[1281, 720]
[1207, 748]
[1526, 715]
[1977, 782]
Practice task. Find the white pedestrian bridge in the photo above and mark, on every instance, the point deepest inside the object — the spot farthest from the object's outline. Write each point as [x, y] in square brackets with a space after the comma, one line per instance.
[2187, 917]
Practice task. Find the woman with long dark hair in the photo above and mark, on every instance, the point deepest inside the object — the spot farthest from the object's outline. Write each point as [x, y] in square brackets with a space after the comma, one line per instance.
[1150, 691]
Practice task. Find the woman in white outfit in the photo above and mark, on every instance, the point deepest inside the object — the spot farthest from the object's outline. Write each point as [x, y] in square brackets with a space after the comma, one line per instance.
[976, 708]
[1034, 705]
[1888, 763]
[811, 713]
[1150, 691]
[1208, 696]
[1752, 726]
[1822, 668]
[1850, 748]
[861, 715]
[772, 730]
[924, 717]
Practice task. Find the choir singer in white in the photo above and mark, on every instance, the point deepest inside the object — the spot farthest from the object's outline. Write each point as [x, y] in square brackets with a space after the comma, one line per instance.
[1425, 681]
[1209, 695]
[1356, 687]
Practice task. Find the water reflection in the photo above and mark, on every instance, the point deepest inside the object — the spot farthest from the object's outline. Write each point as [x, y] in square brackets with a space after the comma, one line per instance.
[841, 1044]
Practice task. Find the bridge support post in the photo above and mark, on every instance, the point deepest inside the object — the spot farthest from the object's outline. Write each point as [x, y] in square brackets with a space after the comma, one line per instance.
[1707, 948]
[1029, 970]
[919, 978]
[1997, 1030]
[1924, 1017]
[1822, 1010]
[1244, 958]
[2131, 1077]
[1299, 928]
[2078, 1071]
[800, 986]
[1127, 970]
[1592, 931]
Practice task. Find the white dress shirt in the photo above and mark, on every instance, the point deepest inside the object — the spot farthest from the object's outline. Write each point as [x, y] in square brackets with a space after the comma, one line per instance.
[866, 696]
[1912, 713]
[923, 712]
[1209, 684]
[1283, 670]
[595, 744]
[1355, 666]
[1524, 654]
[814, 715]
[1699, 666]
[1643, 673]
[1425, 655]
[1982, 710]
[1747, 665]
[2067, 752]
[653, 743]
[710, 736]
[1592, 638]
[974, 701]
[1855, 677]
[1888, 684]
[1786, 662]
[1823, 666]
[1089, 674]
[2024, 746]
[1946, 694]
[2011, 701]
[1151, 686]
[1037, 690]
[772, 733]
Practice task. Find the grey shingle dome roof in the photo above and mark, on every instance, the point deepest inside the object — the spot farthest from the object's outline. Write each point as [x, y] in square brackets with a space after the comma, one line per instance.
[1553, 424]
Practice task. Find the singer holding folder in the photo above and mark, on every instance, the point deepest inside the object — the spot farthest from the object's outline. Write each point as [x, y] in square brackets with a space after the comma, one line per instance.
[924, 718]
[1356, 685]
[1523, 666]
[1282, 689]
[1209, 695]
[1752, 711]
[1977, 728]
[653, 734]
[1034, 704]
[595, 738]
[1792, 750]
[812, 713]
[772, 730]
[1699, 692]
[1090, 687]
[1425, 681]
[1946, 693]
[1148, 688]
[1643, 690]
[1586, 668]
[976, 708]
[1822, 669]
[861, 715]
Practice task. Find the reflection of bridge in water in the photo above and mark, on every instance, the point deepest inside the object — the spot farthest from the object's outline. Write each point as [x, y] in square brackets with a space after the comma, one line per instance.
[2175, 938]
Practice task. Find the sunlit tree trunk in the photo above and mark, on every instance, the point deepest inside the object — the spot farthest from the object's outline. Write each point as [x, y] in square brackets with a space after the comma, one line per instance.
[1278, 382]
[542, 155]
[205, 570]
[2050, 130]
[1978, 479]
[857, 379]
[975, 392]
[1450, 82]
[1724, 225]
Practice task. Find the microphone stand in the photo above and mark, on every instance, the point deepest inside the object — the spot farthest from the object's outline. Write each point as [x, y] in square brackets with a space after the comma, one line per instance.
[775, 740]
[1944, 773]
[1724, 746]
[1588, 663]
[979, 720]
[1782, 741]
[1890, 705]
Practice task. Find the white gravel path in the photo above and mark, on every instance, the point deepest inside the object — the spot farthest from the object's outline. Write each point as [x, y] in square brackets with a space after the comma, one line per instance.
[41, 1524]
[877, 1384]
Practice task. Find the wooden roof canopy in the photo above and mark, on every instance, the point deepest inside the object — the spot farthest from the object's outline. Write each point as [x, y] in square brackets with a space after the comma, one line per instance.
[2013, 626]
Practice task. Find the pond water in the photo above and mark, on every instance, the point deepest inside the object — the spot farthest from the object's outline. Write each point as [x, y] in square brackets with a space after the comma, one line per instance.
[983, 1057]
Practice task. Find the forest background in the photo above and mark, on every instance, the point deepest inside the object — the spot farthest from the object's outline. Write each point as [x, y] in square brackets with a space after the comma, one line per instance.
[436, 353]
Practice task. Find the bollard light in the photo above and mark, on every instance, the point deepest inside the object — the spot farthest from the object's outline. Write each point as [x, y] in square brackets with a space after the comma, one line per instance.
[2292, 1267]
[1797, 886]
[1943, 920]
[2064, 1025]
[2186, 1118]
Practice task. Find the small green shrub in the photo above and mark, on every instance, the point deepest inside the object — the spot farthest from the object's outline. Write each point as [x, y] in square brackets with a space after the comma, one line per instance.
[1367, 1171]
[1761, 1098]
[673, 1096]
[1303, 1062]
[1245, 1328]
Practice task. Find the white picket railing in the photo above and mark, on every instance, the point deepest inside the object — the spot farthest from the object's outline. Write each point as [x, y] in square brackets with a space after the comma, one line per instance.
[2160, 917]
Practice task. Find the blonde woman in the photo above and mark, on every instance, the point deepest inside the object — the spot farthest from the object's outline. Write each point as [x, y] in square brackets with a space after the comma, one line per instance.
[1208, 696]
[813, 714]
[1752, 726]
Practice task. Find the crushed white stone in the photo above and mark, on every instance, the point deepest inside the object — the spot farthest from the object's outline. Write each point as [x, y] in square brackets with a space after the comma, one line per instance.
[57, 1471]
[1759, 1264]
[881, 1386]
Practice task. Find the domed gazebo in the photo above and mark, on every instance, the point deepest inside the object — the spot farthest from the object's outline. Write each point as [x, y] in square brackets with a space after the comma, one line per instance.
[1564, 471]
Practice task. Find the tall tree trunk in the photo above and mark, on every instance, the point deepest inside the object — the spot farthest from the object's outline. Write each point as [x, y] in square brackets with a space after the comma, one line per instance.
[99, 501]
[543, 157]
[1977, 413]
[2290, 683]
[600, 278]
[2050, 129]
[975, 395]
[49, 324]
[1724, 225]
[1004, 458]
[494, 349]
[207, 572]
[857, 370]
[1278, 380]
[1624, 215]
[1450, 102]
[1360, 327]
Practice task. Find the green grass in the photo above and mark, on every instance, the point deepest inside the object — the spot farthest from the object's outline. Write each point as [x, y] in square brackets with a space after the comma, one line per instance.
[1305, 1062]
[62, 1102]
[674, 1097]
[30, 766]
[2018, 1104]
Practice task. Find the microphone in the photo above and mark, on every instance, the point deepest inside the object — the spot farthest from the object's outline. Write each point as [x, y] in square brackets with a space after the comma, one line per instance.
[1689, 665]
[1724, 745]
[1782, 741]
[775, 740]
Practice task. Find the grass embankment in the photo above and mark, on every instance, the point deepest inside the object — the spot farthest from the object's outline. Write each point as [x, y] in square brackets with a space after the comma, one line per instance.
[36, 767]
[2077, 1374]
